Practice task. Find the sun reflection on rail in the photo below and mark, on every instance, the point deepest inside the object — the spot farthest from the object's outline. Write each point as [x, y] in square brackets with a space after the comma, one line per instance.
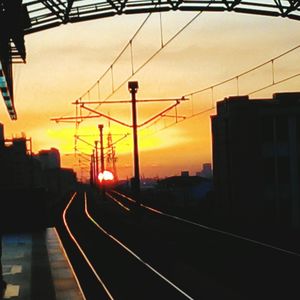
[81, 250]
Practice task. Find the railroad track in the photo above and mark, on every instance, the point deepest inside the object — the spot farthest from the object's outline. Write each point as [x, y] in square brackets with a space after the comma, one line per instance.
[114, 271]
[250, 268]
[128, 203]
[144, 253]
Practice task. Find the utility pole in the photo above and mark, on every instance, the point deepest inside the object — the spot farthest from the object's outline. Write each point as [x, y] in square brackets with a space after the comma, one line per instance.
[111, 156]
[94, 167]
[91, 171]
[97, 159]
[133, 88]
[100, 126]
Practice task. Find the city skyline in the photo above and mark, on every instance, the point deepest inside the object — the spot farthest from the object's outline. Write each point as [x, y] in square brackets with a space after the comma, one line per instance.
[64, 62]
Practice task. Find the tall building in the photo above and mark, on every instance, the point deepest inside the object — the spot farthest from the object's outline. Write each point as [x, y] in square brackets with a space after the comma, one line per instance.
[18, 169]
[50, 162]
[50, 159]
[256, 159]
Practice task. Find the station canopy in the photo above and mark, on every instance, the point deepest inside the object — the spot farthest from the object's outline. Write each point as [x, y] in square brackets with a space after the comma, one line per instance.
[18, 18]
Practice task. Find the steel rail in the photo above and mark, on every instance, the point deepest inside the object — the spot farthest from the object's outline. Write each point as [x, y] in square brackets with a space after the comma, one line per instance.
[133, 253]
[210, 228]
[81, 250]
[118, 202]
[69, 263]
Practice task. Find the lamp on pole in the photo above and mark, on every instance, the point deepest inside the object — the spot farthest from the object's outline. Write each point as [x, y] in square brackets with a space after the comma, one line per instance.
[133, 88]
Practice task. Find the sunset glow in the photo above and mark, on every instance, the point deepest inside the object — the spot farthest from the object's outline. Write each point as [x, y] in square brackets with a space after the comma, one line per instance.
[106, 176]
[64, 62]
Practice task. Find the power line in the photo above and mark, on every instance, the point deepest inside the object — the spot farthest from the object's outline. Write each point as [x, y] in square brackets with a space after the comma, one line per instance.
[138, 69]
[238, 76]
[274, 82]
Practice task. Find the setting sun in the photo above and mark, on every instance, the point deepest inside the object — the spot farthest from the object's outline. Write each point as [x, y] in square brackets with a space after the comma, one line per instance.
[105, 176]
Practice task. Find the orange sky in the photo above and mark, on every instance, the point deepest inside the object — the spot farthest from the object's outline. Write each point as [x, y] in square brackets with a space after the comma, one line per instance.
[64, 62]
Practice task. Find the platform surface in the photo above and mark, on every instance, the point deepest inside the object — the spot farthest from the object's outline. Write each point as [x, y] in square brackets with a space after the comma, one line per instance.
[36, 267]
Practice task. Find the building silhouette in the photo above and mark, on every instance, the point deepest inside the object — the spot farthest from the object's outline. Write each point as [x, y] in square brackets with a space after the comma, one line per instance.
[19, 169]
[56, 180]
[184, 190]
[31, 186]
[206, 171]
[22, 201]
[256, 159]
[50, 159]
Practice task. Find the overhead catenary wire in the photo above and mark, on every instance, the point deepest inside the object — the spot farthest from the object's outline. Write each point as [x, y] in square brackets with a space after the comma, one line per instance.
[274, 82]
[146, 62]
[238, 76]
[134, 71]
[194, 113]
[154, 55]
[129, 44]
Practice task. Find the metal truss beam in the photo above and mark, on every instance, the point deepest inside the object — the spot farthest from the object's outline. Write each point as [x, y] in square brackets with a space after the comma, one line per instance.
[56, 7]
[45, 14]
[20, 17]
[69, 7]
[14, 19]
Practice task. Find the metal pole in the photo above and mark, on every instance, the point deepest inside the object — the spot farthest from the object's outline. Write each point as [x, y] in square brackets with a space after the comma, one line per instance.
[91, 172]
[94, 167]
[100, 126]
[133, 87]
[97, 159]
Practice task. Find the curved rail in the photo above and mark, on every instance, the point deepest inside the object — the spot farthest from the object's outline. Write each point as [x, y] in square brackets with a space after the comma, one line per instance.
[48, 14]
[81, 250]
[147, 265]
[114, 239]
[206, 227]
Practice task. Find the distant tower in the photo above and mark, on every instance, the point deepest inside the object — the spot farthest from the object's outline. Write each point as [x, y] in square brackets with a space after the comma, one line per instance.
[111, 158]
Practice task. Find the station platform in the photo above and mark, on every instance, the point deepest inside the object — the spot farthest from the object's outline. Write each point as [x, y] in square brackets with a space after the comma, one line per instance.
[36, 267]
